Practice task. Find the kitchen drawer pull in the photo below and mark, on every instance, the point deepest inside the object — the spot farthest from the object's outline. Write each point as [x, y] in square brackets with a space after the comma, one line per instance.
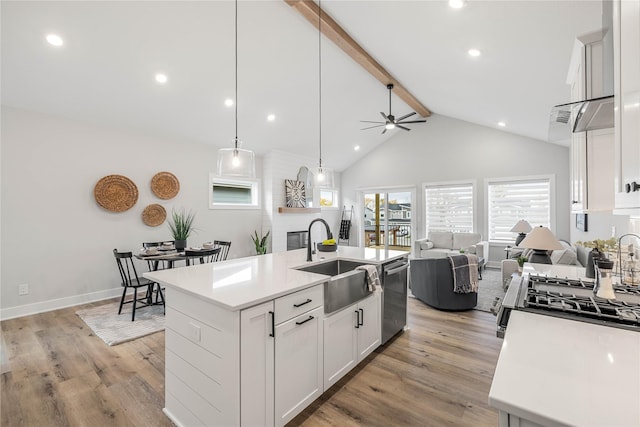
[273, 324]
[357, 319]
[304, 321]
[361, 317]
[302, 303]
[397, 269]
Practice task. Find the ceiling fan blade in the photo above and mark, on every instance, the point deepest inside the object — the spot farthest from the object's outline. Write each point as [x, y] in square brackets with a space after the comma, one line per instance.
[405, 116]
[402, 127]
[412, 121]
[384, 116]
[384, 130]
[371, 127]
[369, 121]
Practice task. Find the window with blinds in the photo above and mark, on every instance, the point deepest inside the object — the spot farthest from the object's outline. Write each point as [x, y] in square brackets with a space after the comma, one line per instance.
[231, 193]
[511, 201]
[449, 207]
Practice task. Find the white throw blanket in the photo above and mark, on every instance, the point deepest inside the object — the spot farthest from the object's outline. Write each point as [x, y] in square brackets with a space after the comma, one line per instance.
[373, 280]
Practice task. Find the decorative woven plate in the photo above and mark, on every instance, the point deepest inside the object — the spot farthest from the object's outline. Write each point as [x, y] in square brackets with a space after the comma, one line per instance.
[154, 215]
[165, 185]
[116, 193]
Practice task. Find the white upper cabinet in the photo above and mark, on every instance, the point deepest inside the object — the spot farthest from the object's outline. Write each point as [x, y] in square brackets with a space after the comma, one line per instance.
[626, 18]
[592, 152]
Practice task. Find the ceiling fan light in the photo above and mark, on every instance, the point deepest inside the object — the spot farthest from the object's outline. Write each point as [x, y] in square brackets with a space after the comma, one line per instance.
[236, 162]
[390, 126]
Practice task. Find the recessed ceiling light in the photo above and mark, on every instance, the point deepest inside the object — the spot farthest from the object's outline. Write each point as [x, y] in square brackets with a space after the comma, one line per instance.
[161, 78]
[502, 124]
[55, 40]
[271, 117]
[456, 4]
[228, 102]
[356, 148]
[474, 52]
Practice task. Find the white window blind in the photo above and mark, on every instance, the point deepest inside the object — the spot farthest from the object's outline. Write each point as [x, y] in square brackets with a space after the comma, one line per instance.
[232, 194]
[511, 201]
[449, 207]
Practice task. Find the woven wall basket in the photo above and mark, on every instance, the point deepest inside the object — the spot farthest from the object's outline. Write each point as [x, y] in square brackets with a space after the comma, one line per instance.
[154, 215]
[116, 193]
[165, 185]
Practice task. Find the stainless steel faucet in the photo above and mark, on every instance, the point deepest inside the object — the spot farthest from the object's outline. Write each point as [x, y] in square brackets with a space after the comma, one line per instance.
[329, 235]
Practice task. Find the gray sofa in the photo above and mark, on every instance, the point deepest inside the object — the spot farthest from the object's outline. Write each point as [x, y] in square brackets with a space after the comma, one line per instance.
[440, 244]
[432, 283]
[570, 255]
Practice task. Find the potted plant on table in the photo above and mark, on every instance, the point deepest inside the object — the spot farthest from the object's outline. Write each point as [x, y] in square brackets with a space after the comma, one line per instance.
[181, 226]
[260, 242]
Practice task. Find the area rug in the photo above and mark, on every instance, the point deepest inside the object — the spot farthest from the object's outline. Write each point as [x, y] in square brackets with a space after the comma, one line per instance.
[489, 288]
[114, 329]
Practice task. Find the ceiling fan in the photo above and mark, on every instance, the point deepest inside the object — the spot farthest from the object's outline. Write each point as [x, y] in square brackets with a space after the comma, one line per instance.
[390, 122]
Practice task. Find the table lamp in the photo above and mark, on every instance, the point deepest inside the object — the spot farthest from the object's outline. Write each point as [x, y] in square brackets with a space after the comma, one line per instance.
[522, 227]
[541, 240]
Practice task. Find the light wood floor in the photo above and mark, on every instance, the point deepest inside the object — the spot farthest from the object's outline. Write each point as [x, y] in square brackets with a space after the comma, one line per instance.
[55, 372]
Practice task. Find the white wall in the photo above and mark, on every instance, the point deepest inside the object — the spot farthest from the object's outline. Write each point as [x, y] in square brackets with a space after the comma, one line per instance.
[58, 240]
[446, 149]
[279, 166]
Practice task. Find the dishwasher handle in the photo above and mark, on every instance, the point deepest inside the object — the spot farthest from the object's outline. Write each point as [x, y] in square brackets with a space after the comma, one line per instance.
[396, 270]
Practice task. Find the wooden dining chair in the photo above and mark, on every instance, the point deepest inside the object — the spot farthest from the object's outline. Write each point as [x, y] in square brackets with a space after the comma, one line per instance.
[224, 249]
[130, 280]
[205, 255]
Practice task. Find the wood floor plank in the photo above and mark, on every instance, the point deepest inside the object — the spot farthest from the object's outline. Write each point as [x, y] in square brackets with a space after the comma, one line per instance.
[437, 373]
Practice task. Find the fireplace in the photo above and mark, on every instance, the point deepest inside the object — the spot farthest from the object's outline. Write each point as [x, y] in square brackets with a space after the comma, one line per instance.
[296, 240]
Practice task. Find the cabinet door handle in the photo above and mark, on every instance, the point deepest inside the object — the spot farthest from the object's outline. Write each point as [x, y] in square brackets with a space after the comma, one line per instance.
[302, 303]
[304, 321]
[357, 319]
[361, 317]
[273, 324]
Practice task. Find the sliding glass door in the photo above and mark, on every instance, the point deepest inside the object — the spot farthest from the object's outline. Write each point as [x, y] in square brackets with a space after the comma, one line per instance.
[387, 219]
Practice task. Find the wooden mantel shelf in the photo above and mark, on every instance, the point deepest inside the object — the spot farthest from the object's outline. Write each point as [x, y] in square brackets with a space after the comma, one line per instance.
[298, 210]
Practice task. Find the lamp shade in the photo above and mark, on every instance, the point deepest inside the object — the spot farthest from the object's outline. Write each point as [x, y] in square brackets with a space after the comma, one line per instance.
[236, 162]
[323, 177]
[541, 238]
[521, 226]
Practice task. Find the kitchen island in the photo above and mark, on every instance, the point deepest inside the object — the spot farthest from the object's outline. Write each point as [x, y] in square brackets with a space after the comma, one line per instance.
[561, 372]
[248, 343]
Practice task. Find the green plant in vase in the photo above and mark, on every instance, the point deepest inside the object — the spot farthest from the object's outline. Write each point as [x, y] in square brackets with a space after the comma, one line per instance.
[181, 226]
[260, 242]
[521, 260]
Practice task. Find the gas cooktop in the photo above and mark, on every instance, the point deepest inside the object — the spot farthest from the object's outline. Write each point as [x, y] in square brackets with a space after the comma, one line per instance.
[574, 299]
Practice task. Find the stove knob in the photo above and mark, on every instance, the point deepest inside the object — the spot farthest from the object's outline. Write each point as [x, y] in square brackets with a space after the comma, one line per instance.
[634, 186]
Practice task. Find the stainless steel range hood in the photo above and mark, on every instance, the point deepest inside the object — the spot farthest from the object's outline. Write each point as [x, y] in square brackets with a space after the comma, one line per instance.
[581, 116]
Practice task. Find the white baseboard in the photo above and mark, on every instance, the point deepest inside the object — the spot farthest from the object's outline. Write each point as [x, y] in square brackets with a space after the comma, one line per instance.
[55, 304]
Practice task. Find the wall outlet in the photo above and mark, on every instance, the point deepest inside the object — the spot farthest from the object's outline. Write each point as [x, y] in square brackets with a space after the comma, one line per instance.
[23, 289]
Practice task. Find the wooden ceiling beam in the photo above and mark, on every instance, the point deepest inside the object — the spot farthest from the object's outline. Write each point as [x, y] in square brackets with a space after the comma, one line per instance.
[334, 32]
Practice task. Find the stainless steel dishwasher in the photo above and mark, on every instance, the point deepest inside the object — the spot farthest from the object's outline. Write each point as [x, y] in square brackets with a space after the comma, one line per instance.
[394, 298]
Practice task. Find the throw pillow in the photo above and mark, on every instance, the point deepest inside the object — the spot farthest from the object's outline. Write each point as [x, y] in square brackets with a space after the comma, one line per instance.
[426, 245]
[564, 257]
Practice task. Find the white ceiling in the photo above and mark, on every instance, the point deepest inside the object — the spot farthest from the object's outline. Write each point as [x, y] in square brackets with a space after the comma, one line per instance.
[105, 71]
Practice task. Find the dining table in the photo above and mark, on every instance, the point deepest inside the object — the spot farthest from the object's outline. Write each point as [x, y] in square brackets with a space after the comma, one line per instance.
[170, 256]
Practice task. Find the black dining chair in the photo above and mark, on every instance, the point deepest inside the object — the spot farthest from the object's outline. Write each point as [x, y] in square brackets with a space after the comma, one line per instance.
[130, 279]
[205, 255]
[224, 249]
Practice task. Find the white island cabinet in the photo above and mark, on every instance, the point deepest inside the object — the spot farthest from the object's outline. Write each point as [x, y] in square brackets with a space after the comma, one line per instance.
[245, 338]
[350, 335]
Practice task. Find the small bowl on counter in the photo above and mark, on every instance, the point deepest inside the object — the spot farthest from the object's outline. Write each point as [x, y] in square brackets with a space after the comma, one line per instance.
[327, 248]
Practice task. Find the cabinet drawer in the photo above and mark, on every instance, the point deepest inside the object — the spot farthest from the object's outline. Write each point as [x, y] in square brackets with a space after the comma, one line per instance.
[297, 303]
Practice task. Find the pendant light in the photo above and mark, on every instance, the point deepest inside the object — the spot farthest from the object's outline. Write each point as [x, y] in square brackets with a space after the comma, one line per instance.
[323, 176]
[236, 162]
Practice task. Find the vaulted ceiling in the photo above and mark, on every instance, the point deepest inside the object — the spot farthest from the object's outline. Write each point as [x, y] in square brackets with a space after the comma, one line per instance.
[104, 72]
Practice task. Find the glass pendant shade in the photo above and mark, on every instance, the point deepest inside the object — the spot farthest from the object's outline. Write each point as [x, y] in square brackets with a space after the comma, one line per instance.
[236, 162]
[323, 177]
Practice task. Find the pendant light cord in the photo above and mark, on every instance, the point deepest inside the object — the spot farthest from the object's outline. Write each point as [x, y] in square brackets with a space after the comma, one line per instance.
[320, 81]
[236, 75]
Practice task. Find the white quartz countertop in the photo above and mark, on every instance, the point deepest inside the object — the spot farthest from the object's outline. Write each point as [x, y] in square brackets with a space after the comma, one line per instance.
[559, 372]
[240, 283]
